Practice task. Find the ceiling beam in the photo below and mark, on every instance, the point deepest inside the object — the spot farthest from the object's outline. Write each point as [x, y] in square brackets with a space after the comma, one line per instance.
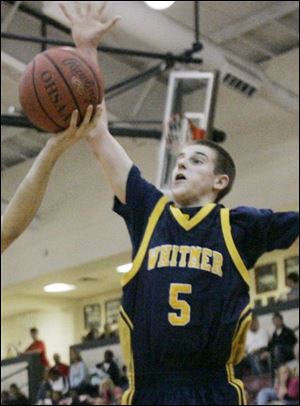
[7, 20]
[257, 47]
[277, 10]
[288, 29]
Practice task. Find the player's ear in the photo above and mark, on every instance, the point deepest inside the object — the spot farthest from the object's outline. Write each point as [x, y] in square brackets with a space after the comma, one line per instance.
[221, 182]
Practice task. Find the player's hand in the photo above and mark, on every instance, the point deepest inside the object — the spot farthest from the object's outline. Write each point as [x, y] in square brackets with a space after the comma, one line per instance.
[87, 23]
[62, 141]
[101, 128]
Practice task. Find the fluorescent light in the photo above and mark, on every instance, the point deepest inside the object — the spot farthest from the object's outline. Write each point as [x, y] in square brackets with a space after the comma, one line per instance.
[59, 287]
[159, 5]
[124, 268]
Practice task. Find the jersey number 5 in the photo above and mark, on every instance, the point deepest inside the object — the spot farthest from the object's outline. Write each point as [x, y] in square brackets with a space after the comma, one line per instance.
[184, 317]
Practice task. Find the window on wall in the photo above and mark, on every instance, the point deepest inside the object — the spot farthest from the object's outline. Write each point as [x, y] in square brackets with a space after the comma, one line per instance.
[266, 278]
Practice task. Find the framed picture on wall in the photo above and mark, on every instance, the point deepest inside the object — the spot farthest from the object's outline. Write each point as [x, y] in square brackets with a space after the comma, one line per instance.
[92, 316]
[291, 265]
[266, 278]
[112, 308]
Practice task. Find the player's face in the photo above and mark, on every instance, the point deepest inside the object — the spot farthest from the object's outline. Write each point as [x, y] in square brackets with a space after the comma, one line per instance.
[194, 181]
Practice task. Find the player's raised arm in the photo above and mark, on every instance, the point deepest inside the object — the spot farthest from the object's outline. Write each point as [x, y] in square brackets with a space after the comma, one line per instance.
[87, 32]
[29, 195]
[113, 159]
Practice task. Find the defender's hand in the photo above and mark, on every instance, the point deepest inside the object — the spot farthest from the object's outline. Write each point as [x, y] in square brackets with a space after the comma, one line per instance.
[88, 27]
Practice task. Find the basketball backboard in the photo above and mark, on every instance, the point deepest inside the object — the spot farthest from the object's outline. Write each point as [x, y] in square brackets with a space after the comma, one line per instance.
[190, 102]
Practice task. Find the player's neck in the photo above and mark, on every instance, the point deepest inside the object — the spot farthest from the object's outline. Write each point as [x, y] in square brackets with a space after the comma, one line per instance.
[199, 203]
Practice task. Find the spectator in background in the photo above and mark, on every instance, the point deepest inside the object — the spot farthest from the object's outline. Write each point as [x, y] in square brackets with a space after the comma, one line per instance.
[124, 383]
[109, 366]
[294, 363]
[109, 394]
[282, 342]
[59, 366]
[38, 346]
[5, 397]
[257, 340]
[292, 282]
[286, 386]
[58, 382]
[78, 374]
[56, 398]
[16, 397]
[107, 333]
[75, 399]
[47, 399]
[53, 382]
[93, 334]
[44, 388]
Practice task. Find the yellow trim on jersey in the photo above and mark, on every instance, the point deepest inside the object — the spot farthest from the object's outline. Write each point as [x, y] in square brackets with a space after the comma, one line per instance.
[235, 256]
[237, 384]
[127, 319]
[237, 353]
[125, 330]
[153, 220]
[187, 224]
[239, 337]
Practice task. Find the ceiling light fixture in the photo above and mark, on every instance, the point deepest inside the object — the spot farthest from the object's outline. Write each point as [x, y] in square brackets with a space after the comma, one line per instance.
[59, 287]
[159, 5]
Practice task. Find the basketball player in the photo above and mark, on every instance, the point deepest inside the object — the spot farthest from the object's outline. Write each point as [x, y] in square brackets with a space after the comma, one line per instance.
[185, 307]
[29, 195]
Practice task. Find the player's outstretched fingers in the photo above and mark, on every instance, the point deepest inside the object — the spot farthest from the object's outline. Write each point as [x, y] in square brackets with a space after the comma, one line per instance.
[111, 23]
[101, 8]
[96, 117]
[74, 120]
[79, 8]
[66, 12]
[87, 117]
[88, 9]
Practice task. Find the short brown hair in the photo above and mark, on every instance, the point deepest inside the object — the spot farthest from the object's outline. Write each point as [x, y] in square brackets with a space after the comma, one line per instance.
[223, 165]
[34, 330]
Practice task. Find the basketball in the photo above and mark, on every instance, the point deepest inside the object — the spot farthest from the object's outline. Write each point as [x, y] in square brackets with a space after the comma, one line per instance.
[55, 83]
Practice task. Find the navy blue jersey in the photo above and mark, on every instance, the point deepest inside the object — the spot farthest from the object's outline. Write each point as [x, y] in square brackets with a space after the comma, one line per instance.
[185, 307]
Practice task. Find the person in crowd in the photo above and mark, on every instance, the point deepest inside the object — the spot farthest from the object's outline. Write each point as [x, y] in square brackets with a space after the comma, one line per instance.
[292, 282]
[5, 397]
[107, 332]
[57, 382]
[124, 383]
[62, 368]
[78, 374]
[257, 340]
[76, 400]
[56, 398]
[109, 394]
[282, 342]
[16, 396]
[44, 388]
[110, 367]
[93, 334]
[38, 345]
[286, 386]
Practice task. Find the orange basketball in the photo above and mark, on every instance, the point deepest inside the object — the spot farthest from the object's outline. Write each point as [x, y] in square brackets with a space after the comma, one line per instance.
[55, 83]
